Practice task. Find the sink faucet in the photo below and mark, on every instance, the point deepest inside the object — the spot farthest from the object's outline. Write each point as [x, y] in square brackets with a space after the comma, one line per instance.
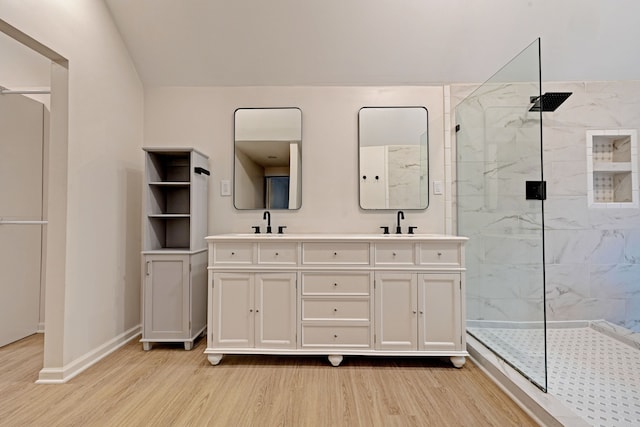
[267, 216]
[398, 228]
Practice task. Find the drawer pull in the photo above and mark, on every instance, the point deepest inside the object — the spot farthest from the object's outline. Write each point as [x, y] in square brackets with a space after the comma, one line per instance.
[335, 336]
[335, 285]
[439, 253]
[233, 253]
[393, 253]
[277, 254]
[335, 254]
[335, 310]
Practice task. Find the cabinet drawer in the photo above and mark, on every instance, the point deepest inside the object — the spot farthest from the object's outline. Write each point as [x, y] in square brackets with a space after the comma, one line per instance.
[335, 336]
[335, 309]
[395, 253]
[336, 284]
[233, 253]
[440, 253]
[278, 253]
[335, 253]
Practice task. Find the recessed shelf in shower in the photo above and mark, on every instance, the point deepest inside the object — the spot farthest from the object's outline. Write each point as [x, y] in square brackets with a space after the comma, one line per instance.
[612, 168]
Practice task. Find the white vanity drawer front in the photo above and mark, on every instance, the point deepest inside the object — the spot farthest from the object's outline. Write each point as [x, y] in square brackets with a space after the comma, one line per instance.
[440, 253]
[335, 253]
[395, 253]
[335, 336]
[335, 309]
[336, 284]
[278, 253]
[233, 253]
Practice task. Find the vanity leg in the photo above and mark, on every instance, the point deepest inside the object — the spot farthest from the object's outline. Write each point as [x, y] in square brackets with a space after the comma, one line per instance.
[146, 346]
[188, 345]
[458, 361]
[214, 359]
[335, 359]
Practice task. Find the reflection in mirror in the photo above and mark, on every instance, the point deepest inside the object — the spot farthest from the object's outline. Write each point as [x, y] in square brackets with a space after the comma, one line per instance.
[268, 158]
[394, 157]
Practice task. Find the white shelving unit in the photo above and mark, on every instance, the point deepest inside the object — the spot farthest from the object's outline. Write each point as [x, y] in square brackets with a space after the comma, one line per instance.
[174, 273]
[612, 168]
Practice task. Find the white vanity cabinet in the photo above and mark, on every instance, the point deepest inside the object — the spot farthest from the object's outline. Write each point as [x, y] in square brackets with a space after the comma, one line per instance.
[418, 311]
[336, 295]
[253, 310]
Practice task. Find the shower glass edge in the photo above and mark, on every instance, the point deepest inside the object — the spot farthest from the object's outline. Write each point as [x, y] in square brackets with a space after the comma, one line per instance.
[498, 149]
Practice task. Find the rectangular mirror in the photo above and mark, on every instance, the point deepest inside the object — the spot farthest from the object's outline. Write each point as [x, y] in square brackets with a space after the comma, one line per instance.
[393, 157]
[267, 158]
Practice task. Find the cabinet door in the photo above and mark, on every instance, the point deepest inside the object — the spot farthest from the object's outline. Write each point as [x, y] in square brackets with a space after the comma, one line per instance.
[275, 310]
[439, 304]
[396, 311]
[232, 315]
[166, 297]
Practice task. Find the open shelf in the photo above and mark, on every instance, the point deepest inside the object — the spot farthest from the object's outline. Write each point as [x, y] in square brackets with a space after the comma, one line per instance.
[172, 182]
[612, 168]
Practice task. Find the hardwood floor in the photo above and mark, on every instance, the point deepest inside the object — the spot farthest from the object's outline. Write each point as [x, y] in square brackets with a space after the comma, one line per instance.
[168, 386]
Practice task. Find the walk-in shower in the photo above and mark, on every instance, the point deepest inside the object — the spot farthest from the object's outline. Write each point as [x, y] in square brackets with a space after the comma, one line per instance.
[553, 280]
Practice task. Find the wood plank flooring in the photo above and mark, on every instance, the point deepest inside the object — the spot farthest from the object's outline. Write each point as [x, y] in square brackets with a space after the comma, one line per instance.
[168, 386]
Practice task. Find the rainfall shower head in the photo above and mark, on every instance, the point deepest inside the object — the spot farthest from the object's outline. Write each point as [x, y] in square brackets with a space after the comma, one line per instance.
[549, 101]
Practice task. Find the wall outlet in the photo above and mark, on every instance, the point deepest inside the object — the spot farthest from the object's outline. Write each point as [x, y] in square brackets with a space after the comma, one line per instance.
[225, 187]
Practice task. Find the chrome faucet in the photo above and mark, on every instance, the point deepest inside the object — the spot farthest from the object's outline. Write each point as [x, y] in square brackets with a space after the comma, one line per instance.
[267, 216]
[398, 228]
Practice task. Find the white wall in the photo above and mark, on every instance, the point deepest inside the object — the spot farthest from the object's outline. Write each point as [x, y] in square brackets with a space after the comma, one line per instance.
[99, 301]
[202, 117]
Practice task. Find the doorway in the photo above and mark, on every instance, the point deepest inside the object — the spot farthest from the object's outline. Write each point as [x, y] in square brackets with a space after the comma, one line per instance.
[23, 126]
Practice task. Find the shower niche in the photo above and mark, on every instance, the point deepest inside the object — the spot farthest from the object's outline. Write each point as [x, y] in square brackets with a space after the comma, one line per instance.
[612, 168]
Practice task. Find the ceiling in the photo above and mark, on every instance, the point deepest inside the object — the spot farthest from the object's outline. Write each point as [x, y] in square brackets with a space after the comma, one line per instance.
[373, 42]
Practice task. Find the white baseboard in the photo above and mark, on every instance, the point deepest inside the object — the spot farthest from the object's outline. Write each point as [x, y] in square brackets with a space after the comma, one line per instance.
[64, 374]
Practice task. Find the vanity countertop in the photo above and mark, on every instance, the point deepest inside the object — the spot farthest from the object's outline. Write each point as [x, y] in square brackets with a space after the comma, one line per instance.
[335, 237]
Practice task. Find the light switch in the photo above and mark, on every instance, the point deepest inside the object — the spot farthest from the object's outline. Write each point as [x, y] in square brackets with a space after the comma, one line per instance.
[437, 187]
[225, 187]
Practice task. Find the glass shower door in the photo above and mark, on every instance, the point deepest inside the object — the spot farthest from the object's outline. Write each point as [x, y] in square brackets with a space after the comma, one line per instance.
[499, 150]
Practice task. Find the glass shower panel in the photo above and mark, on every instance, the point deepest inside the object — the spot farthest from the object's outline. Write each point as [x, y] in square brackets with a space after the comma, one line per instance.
[499, 149]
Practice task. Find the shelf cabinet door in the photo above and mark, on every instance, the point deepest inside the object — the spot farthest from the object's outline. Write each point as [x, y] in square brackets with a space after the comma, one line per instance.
[439, 327]
[232, 315]
[275, 310]
[396, 311]
[166, 297]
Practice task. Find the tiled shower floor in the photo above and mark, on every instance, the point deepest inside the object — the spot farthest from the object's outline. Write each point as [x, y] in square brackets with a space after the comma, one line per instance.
[593, 374]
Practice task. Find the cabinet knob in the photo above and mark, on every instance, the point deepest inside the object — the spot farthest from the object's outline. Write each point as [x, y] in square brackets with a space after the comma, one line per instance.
[251, 310]
[335, 254]
[335, 284]
[335, 336]
[439, 253]
[335, 310]
[233, 253]
[414, 312]
[257, 311]
[277, 254]
[421, 312]
[393, 253]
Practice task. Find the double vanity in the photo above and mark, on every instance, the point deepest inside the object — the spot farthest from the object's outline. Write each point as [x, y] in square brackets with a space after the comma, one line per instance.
[336, 295]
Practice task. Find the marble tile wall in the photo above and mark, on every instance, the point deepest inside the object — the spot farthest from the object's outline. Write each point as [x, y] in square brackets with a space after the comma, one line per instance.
[592, 255]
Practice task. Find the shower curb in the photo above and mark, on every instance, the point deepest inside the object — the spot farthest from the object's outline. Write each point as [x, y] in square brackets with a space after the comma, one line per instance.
[545, 409]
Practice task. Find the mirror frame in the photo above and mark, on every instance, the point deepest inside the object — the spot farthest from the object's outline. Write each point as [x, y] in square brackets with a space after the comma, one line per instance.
[299, 205]
[427, 160]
